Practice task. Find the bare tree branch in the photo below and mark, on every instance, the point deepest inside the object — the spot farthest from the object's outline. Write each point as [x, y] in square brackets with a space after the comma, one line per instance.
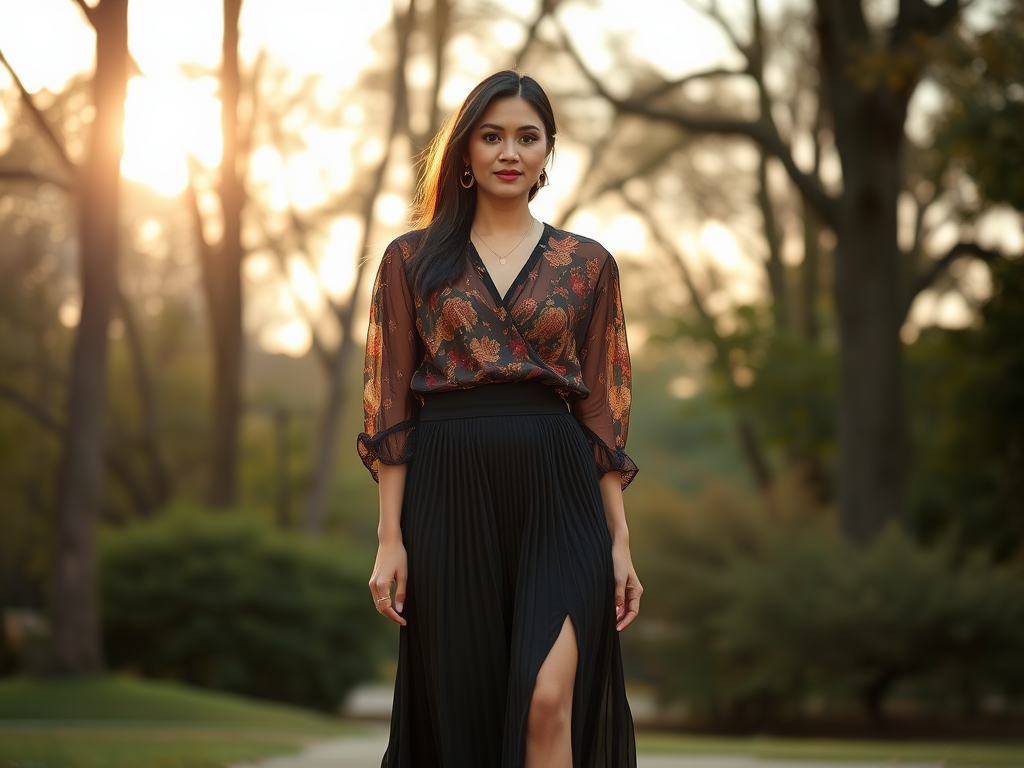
[278, 249]
[43, 123]
[86, 11]
[399, 117]
[696, 298]
[750, 446]
[547, 8]
[30, 407]
[926, 278]
[37, 178]
[713, 12]
[318, 346]
[596, 153]
[762, 133]
[704, 74]
[302, 235]
[612, 184]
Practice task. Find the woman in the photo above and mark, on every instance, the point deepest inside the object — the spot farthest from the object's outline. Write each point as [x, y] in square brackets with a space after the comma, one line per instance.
[497, 398]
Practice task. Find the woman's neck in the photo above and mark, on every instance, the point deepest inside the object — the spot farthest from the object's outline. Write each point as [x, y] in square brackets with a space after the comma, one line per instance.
[501, 217]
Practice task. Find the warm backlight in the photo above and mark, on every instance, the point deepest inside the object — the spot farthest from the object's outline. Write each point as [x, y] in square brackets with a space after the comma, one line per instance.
[168, 120]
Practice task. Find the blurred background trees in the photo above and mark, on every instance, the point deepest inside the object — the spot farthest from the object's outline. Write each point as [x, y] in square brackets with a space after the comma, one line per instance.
[819, 227]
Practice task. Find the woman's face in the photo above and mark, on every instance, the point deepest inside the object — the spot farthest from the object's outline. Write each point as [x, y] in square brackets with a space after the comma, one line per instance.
[508, 148]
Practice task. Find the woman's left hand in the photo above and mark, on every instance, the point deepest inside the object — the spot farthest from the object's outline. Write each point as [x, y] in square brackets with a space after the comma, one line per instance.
[627, 586]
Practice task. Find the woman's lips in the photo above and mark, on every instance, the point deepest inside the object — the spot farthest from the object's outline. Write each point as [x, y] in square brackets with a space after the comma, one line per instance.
[508, 175]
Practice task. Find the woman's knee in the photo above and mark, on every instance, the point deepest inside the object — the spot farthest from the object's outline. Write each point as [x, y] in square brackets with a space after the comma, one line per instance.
[550, 708]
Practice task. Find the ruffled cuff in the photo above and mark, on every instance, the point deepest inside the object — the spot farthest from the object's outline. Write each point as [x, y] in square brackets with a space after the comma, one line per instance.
[395, 445]
[610, 459]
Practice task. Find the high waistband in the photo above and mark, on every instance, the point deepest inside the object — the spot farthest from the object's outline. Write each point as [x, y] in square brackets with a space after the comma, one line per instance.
[510, 399]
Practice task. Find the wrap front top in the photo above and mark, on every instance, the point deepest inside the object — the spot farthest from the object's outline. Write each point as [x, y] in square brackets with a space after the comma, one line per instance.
[559, 324]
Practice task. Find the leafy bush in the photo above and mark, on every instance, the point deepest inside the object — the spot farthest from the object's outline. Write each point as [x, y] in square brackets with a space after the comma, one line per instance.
[968, 416]
[223, 602]
[749, 613]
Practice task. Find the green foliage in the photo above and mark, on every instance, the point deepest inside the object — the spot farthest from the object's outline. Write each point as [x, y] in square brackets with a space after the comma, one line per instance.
[785, 386]
[225, 603]
[794, 396]
[969, 421]
[981, 126]
[752, 612]
[678, 441]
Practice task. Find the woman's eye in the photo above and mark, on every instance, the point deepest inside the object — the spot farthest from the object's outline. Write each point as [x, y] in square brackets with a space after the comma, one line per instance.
[528, 139]
[491, 137]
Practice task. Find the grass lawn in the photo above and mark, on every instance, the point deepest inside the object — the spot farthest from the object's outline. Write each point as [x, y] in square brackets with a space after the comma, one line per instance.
[125, 723]
[946, 754]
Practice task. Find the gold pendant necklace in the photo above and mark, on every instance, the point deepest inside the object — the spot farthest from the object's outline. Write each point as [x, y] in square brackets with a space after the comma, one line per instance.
[501, 259]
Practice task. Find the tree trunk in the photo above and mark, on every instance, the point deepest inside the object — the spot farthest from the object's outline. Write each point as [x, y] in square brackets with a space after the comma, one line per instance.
[223, 282]
[872, 434]
[75, 641]
[871, 428]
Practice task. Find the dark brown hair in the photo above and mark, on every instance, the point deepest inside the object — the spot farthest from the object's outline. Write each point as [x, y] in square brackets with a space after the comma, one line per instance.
[442, 206]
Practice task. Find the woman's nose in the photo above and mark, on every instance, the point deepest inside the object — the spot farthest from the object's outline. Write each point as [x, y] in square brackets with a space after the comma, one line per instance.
[508, 151]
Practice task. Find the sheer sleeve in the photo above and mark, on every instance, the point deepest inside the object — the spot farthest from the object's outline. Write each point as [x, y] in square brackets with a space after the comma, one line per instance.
[393, 353]
[604, 360]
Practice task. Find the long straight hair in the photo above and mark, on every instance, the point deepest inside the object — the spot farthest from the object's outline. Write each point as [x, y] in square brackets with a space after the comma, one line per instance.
[443, 207]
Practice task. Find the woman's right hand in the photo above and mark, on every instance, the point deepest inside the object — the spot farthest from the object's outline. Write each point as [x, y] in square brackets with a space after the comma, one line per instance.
[391, 567]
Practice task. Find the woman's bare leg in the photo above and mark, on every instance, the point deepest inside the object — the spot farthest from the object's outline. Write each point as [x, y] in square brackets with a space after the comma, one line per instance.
[549, 724]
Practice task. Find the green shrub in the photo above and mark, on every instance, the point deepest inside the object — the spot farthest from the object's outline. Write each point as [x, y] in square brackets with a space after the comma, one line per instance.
[226, 603]
[753, 614]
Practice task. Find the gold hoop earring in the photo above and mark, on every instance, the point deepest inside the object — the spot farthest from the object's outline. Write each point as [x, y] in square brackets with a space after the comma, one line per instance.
[467, 174]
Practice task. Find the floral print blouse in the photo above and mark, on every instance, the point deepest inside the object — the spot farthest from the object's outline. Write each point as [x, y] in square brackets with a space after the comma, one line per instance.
[560, 323]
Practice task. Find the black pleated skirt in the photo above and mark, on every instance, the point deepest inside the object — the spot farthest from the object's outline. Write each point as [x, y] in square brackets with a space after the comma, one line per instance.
[506, 536]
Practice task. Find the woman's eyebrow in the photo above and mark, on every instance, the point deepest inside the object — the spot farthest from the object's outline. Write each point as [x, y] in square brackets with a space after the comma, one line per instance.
[494, 127]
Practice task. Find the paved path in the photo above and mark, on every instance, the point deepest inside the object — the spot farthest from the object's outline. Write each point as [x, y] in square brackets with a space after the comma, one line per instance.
[366, 752]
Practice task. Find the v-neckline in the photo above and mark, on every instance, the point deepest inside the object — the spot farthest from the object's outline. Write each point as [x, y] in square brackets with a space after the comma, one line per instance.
[514, 286]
